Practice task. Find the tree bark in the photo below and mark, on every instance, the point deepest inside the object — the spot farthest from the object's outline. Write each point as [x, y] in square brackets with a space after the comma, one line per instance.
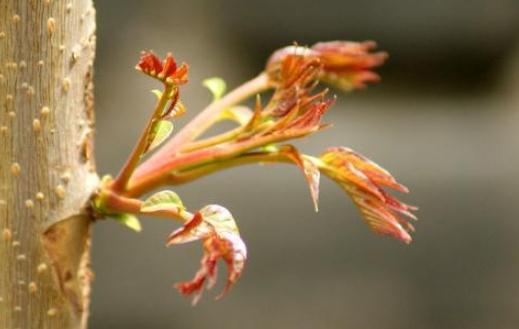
[47, 171]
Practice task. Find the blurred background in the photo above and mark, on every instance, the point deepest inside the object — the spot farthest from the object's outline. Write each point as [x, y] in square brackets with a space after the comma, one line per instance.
[444, 121]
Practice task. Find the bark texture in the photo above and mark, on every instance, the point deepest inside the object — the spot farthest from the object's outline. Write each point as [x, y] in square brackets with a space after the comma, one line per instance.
[47, 171]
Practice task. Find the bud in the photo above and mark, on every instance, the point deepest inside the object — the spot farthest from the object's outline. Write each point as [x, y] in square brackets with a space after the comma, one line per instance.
[166, 71]
[343, 64]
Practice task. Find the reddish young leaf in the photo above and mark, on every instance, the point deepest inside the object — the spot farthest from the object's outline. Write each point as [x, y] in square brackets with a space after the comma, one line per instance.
[179, 77]
[170, 66]
[167, 72]
[310, 120]
[309, 169]
[363, 180]
[346, 65]
[216, 227]
[149, 63]
[293, 111]
[379, 175]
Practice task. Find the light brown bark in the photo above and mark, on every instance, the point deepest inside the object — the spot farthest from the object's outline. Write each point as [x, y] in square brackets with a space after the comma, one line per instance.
[47, 170]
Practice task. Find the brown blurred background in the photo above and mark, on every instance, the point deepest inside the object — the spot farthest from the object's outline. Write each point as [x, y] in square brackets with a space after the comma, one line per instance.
[444, 121]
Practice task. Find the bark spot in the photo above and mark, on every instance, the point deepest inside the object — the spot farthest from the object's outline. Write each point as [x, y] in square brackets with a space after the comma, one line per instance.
[29, 204]
[51, 25]
[33, 287]
[45, 111]
[65, 177]
[52, 312]
[60, 191]
[65, 84]
[16, 169]
[42, 268]
[7, 235]
[36, 125]
[68, 276]
[75, 54]
[30, 91]
[87, 148]
[88, 96]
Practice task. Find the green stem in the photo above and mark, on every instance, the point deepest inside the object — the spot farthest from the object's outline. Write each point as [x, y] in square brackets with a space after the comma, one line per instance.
[211, 141]
[116, 203]
[127, 170]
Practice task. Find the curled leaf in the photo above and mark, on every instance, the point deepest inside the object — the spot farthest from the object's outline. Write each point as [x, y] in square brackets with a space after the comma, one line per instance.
[174, 99]
[270, 148]
[157, 93]
[161, 131]
[128, 220]
[216, 86]
[240, 114]
[217, 229]
[176, 110]
[162, 200]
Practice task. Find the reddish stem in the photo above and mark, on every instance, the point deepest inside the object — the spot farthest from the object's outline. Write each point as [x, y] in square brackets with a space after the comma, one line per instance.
[202, 122]
[210, 114]
[158, 172]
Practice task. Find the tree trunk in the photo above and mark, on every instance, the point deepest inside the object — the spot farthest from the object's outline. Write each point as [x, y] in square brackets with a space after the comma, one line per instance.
[47, 171]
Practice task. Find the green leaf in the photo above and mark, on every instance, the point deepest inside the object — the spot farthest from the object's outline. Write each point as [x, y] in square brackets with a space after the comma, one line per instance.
[219, 217]
[157, 93]
[216, 86]
[239, 114]
[128, 220]
[162, 200]
[160, 133]
[270, 148]
[210, 220]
